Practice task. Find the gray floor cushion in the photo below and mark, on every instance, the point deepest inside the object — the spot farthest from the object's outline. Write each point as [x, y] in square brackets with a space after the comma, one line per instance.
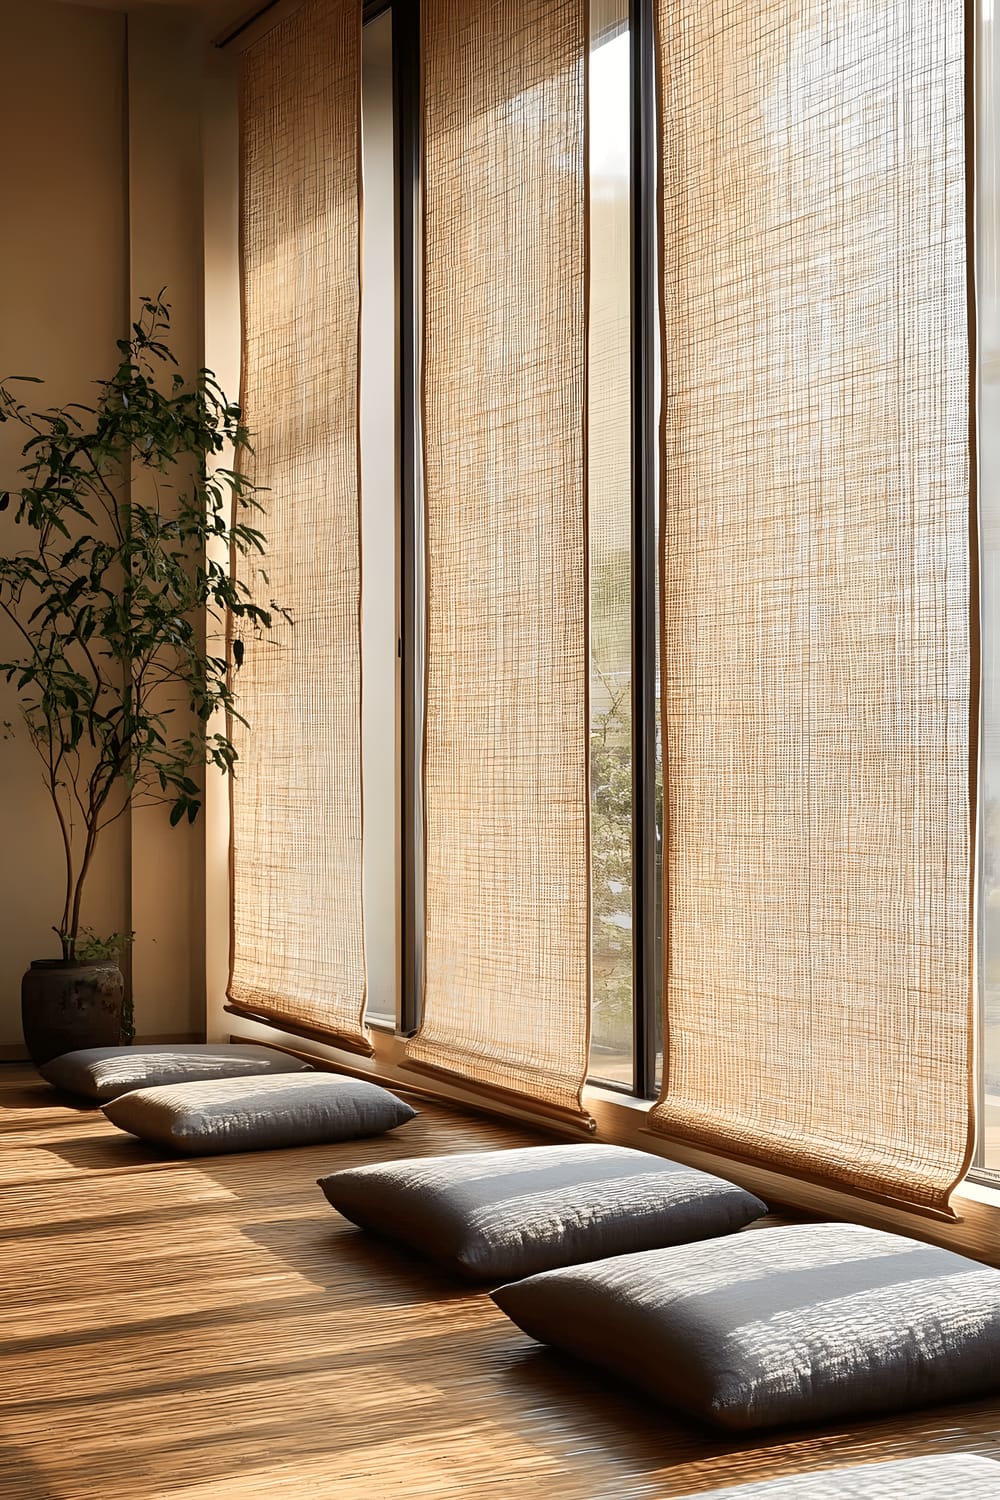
[251, 1114]
[499, 1214]
[105, 1072]
[797, 1324]
[952, 1476]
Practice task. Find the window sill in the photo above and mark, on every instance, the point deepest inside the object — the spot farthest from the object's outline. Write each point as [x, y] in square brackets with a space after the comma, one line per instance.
[620, 1121]
[976, 1231]
[977, 1191]
[607, 1095]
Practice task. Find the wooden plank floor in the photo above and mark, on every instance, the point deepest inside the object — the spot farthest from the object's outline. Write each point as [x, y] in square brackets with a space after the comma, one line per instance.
[211, 1330]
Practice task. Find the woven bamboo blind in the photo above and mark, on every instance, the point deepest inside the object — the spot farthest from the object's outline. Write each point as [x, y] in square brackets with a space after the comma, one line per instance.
[506, 798]
[298, 948]
[816, 587]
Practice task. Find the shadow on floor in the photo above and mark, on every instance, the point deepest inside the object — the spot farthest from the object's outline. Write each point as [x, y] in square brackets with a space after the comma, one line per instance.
[103, 1153]
[20, 1479]
[642, 1433]
[21, 1095]
[324, 1250]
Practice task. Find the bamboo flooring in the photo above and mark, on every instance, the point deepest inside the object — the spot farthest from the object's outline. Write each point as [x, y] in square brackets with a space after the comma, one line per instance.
[210, 1329]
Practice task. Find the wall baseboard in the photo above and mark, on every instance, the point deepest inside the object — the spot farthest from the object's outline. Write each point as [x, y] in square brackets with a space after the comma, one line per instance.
[170, 1036]
[19, 1053]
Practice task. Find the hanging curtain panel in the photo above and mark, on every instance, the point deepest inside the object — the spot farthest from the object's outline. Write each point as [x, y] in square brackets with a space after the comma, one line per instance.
[507, 956]
[816, 588]
[298, 946]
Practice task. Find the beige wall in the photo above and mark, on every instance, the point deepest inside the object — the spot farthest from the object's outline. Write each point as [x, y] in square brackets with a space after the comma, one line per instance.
[166, 249]
[100, 188]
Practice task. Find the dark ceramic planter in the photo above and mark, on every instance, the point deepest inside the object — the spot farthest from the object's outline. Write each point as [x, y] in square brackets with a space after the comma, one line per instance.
[66, 1006]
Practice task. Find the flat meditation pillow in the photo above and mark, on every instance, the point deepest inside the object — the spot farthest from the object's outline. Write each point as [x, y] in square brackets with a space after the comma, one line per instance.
[501, 1214]
[798, 1324]
[253, 1114]
[951, 1476]
[106, 1072]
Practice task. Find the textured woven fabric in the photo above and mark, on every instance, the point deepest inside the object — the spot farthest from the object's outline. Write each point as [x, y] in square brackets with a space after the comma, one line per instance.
[298, 943]
[800, 1324]
[816, 643]
[506, 787]
[501, 1214]
[257, 1114]
[106, 1072]
[950, 1476]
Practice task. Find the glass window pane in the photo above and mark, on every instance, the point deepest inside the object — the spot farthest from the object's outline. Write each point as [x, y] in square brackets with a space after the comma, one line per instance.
[610, 542]
[379, 591]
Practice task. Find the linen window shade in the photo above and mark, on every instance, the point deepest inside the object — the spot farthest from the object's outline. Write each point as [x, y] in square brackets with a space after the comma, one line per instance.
[816, 588]
[297, 941]
[507, 946]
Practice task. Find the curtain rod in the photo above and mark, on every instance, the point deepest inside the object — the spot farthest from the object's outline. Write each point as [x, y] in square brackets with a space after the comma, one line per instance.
[371, 9]
[238, 30]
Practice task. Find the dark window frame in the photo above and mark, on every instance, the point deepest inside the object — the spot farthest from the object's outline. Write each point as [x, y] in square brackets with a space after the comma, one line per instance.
[645, 894]
[646, 924]
[410, 647]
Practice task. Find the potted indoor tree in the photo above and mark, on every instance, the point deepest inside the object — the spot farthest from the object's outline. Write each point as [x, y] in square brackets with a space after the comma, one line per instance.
[131, 526]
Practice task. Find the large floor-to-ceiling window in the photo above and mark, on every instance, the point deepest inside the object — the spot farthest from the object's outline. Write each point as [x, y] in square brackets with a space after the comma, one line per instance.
[767, 424]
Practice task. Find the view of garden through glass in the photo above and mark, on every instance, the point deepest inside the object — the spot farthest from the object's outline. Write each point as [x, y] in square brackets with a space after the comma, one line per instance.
[610, 543]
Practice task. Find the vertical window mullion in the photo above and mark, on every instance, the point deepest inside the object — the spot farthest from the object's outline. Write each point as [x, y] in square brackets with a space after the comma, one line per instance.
[645, 896]
[406, 85]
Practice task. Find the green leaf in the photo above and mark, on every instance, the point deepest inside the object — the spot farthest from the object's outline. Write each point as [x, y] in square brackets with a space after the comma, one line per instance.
[113, 585]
